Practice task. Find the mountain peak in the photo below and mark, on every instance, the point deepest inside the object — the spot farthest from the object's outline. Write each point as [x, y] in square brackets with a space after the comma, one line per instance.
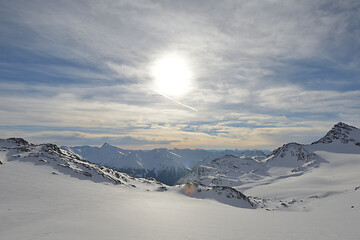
[294, 151]
[20, 141]
[341, 125]
[106, 145]
[341, 132]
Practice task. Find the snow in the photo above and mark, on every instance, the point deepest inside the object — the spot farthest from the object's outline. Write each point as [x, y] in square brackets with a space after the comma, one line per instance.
[320, 201]
[164, 164]
[294, 176]
[38, 205]
[156, 159]
[3, 158]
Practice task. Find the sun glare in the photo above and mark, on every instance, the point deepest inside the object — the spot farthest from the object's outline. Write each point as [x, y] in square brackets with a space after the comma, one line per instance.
[172, 75]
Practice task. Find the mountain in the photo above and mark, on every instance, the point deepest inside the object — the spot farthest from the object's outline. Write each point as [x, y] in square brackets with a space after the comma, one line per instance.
[166, 165]
[228, 170]
[17, 154]
[161, 164]
[293, 173]
[341, 138]
[60, 161]
[234, 171]
[50, 193]
[341, 133]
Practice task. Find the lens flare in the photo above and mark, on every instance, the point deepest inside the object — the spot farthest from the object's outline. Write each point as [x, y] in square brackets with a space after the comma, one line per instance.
[189, 188]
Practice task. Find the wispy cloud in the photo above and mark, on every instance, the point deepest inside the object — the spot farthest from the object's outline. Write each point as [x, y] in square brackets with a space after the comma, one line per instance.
[262, 69]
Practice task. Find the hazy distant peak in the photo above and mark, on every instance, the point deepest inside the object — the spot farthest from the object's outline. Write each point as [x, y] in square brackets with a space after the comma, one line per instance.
[106, 145]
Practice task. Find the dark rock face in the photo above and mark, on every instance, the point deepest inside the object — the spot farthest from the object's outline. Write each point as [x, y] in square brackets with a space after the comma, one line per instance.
[161, 189]
[87, 174]
[19, 141]
[51, 148]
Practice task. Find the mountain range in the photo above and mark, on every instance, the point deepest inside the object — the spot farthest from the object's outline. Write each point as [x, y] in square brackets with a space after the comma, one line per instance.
[166, 165]
[307, 189]
[292, 171]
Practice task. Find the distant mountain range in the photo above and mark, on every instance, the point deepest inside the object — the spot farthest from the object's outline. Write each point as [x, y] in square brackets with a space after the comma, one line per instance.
[166, 165]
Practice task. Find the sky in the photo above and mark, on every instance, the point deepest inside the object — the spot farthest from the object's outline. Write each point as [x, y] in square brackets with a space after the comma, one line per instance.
[260, 73]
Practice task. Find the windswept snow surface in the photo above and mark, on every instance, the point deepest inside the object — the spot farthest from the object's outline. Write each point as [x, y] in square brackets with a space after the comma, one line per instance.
[35, 204]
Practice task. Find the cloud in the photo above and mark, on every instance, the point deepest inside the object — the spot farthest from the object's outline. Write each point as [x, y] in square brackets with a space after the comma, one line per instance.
[293, 99]
[261, 68]
[80, 138]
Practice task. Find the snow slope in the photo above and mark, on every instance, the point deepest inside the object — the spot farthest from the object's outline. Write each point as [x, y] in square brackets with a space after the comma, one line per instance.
[320, 201]
[36, 204]
[60, 161]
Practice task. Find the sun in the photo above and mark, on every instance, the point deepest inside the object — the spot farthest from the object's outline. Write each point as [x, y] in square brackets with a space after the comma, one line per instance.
[172, 75]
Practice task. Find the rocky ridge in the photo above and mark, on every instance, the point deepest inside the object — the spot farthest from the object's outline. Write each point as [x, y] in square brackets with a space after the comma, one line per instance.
[65, 162]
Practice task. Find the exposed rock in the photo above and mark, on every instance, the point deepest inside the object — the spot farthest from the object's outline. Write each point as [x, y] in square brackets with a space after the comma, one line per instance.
[19, 141]
[87, 174]
[68, 163]
[341, 132]
[161, 189]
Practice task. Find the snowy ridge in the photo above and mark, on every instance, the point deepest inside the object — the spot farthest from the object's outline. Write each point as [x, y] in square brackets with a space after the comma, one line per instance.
[341, 133]
[295, 156]
[62, 161]
[223, 194]
[232, 170]
[291, 152]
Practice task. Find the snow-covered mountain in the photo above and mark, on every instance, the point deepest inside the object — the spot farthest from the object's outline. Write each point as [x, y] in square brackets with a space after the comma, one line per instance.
[341, 133]
[166, 165]
[342, 138]
[18, 153]
[234, 171]
[60, 161]
[229, 170]
[311, 170]
[63, 162]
